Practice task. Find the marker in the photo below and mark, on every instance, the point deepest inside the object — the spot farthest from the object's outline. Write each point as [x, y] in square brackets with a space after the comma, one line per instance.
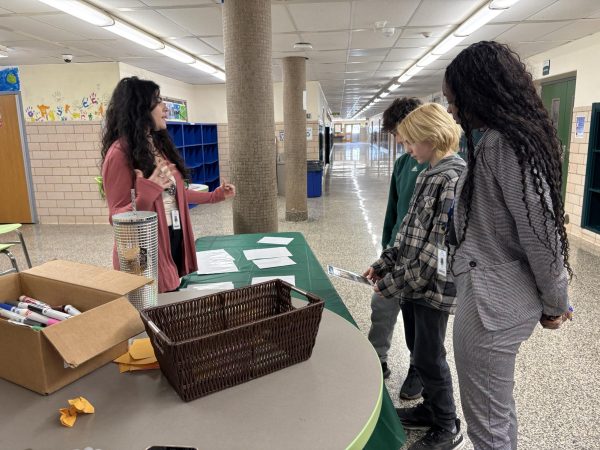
[29, 314]
[33, 327]
[17, 318]
[33, 301]
[48, 312]
[69, 309]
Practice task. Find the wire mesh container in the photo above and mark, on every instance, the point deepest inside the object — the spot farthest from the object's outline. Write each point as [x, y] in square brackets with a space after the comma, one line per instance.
[136, 237]
[221, 340]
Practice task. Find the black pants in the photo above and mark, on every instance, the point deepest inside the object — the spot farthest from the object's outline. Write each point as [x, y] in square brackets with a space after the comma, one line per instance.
[176, 238]
[425, 340]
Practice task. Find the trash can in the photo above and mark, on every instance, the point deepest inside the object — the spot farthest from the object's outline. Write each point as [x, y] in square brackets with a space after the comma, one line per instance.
[136, 236]
[281, 174]
[314, 178]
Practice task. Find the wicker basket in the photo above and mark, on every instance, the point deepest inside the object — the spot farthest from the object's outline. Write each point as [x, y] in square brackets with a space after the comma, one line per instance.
[214, 342]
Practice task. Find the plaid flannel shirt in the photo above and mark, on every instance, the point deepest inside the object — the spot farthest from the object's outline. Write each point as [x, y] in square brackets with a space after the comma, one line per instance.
[409, 269]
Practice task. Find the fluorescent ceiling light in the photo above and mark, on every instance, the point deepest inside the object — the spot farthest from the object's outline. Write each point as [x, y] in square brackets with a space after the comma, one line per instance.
[176, 54]
[477, 20]
[393, 87]
[82, 11]
[427, 59]
[3, 54]
[502, 4]
[135, 35]
[413, 71]
[447, 44]
[202, 66]
[384, 94]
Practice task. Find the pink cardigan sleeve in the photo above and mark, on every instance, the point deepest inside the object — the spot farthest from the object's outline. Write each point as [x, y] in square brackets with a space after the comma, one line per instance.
[215, 196]
[118, 182]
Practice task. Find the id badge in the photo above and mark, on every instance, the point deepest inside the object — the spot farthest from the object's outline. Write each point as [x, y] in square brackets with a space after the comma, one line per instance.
[442, 262]
[175, 219]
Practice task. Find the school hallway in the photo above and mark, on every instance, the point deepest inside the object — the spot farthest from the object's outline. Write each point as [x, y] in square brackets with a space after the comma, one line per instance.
[556, 391]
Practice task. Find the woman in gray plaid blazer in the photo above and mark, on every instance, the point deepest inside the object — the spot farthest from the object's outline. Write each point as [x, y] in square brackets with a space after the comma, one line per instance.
[511, 261]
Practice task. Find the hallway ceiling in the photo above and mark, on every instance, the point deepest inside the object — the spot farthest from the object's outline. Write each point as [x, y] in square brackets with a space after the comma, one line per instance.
[350, 58]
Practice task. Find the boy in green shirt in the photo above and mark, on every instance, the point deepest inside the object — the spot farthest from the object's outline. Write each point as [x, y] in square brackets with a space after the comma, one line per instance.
[384, 311]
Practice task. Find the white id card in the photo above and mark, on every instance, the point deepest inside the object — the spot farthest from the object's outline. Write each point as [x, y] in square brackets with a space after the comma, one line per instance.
[442, 262]
[175, 219]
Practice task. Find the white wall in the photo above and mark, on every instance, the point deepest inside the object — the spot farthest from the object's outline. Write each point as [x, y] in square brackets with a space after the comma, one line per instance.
[580, 56]
[168, 87]
[64, 92]
[210, 104]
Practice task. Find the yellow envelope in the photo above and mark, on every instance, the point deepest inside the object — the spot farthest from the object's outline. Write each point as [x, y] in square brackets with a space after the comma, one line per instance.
[141, 349]
[127, 359]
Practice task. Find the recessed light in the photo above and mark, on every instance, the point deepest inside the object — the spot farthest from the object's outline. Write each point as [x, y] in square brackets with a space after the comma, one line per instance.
[303, 45]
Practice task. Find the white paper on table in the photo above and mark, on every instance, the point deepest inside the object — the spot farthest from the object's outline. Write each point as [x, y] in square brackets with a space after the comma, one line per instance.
[273, 262]
[275, 240]
[287, 278]
[214, 254]
[215, 261]
[266, 253]
[210, 288]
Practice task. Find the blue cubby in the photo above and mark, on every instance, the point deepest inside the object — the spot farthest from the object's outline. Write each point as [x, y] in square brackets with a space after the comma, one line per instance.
[193, 156]
[199, 148]
[209, 134]
[211, 153]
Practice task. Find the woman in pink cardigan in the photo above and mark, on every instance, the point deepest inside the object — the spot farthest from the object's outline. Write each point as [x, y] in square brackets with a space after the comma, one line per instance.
[137, 153]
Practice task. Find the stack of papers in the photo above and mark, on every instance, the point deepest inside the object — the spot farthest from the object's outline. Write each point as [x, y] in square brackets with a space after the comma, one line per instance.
[275, 240]
[209, 288]
[287, 278]
[215, 261]
[139, 357]
[265, 258]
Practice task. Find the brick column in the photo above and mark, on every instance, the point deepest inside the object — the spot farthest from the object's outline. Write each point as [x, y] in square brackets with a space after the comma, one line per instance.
[251, 123]
[294, 121]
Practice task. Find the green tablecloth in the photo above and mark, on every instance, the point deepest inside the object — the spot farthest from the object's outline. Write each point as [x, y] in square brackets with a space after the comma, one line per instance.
[310, 276]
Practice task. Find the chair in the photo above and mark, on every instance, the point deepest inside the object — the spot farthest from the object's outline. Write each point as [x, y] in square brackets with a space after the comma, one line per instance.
[5, 246]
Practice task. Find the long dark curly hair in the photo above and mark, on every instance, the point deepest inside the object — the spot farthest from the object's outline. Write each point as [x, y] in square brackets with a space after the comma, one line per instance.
[128, 117]
[491, 84]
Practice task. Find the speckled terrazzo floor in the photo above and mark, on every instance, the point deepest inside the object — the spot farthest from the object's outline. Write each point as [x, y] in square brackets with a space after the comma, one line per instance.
[557, 392]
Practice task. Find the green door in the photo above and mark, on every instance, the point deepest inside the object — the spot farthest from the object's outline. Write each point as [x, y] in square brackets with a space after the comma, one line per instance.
[558, 98]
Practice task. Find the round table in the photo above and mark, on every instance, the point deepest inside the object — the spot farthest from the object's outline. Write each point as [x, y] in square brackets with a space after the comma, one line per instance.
[331, 401]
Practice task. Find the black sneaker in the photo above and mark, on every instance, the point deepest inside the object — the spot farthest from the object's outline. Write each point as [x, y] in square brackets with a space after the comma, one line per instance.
[417, 418]
[385, 369]
[440, 439]
[412, 388]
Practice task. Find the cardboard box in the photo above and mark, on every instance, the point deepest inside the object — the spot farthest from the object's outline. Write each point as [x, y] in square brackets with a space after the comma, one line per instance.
[44, 361]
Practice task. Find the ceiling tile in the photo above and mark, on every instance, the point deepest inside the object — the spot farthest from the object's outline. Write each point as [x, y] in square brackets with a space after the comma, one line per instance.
[443, 12]
[527, 49]
[194, 45]
[336, 40]
[205, 21]
[109, 5]
[332, 56]
[402, 54]
[218, 60]
[574, 30]
[371, 39]
[173, 3]
[284, 42]
[280, 19]
[216, 42]
[72, 25]
[395, 12]
[25, 25]
[396, 65]
[522, 10]
[154, 23]
[528, 32]
[322, 16]
[26, 6]
[362, 67]
[488, 32]
[568, 9]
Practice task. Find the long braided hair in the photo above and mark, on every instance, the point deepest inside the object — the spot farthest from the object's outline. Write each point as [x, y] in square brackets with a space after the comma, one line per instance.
[128, 117]
[492, 85]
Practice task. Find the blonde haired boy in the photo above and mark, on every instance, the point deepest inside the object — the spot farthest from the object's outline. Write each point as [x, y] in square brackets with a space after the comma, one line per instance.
[415, 272]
